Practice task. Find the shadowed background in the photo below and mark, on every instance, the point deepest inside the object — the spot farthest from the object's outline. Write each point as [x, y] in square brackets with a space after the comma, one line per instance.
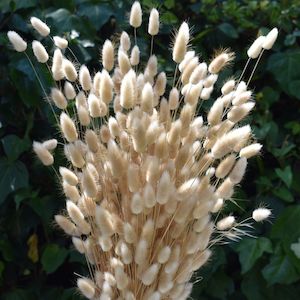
[36, 260]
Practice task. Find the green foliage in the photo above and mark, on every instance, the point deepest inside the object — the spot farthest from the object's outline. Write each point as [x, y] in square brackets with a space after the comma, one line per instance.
[36, 260]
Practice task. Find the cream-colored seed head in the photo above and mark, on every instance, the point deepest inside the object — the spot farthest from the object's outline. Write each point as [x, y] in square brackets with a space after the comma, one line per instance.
[69, 176]
[17, 42]
[40, 26]
[261, 214]
[225, 223]
[108, 58]
[250, 150]
[65, 224]
[135, 19]
[40, 52]
[135, 56]
[219, 62]
[69, 70]
[50, 144]
[153, 26]
[127, 92]
[43, 154]
[85, 78]
[58, 98]
[69, 91]
[256, 47]
[60, 42]
[86, 287]
[68, 128]
[181, 41]
[270, 39]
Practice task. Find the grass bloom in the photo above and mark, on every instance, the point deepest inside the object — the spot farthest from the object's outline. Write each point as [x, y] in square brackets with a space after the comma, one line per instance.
[147, 177]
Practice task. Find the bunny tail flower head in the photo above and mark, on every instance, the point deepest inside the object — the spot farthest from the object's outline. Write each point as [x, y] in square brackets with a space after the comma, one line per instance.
[147, 174]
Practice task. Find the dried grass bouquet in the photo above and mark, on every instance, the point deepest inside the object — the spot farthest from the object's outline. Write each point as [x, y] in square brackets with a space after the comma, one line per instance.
[147, 173]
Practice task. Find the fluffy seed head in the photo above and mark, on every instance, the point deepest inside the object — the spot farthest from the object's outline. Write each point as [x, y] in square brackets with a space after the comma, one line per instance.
[43, 154]
[40, 52]
[135, 19]
[219, 62]
[69, 70]
[40, 26]
[271, 38]
[58, 98]
[250, 150]
[153, 26]
[181, 42]
[69, 91]
[256, 47]
[261, 214]
[108, 55]
[85, 78]
[135, 56]
[68, 127]
[60, 42]
[86, 287]
[17, 42]
[226, 223]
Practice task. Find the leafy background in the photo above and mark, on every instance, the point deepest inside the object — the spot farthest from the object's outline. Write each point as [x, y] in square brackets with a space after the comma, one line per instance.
[36, 260]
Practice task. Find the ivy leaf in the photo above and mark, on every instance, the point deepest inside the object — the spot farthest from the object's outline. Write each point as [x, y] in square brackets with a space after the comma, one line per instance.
[285, 67]
[14, 146]
[53, 257]
[13, 175]
[285, 175]
[98, 15]
[280, 269]
[284, 194]
[229, 30]
[250, 250]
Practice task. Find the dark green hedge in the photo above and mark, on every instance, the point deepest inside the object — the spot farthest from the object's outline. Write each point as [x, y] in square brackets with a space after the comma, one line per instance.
[37, 261]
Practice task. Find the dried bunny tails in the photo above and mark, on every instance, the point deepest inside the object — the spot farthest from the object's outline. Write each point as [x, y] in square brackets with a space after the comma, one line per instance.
[145, 175]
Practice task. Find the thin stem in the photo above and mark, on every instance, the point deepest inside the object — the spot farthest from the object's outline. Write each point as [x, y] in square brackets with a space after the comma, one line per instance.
[255, 67]
[151, 49]
[134, 30]
[175, 73]
[244, 70]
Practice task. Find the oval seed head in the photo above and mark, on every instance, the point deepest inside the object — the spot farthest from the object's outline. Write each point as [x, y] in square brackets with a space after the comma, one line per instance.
[69, 70]
[135, 19]
[68, 128]
[50, 144]
[127, 92]
[220, 61]
[173, 99]
[108, 56]
[43, 154]
[57, 72]
[135, 56]
[106, 87]
[58, 98]
[160, 84]
[149, 195]
[17, 42]
[60, 42]
[271, 38]
[181, 42]
[226, 223]
[238, 171]
[199, 73]
[129, 233]
[261, 214]
[86, 287]
[40, 52]
[150, 274]
[164, 255]
[69, 176]
[40, 26]
[69, 91]
[65, 224]
[89, 184]
[147, 98]
[250, 150]
[85, 78]
[228, 87]
[137, 204]
[104, 221]
[256, 47]
[237, 113]
[153, 26]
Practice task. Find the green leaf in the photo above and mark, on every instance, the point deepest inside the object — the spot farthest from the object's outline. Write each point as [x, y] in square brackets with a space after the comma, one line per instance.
[229, 30]
[285, 175]
[169, 4]
[251, 249]
[284, 194]
[280, 269]
[287, 225]
[14, 146]
[53, 257]
[285, 67]
[13, 175]
[98, 15]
